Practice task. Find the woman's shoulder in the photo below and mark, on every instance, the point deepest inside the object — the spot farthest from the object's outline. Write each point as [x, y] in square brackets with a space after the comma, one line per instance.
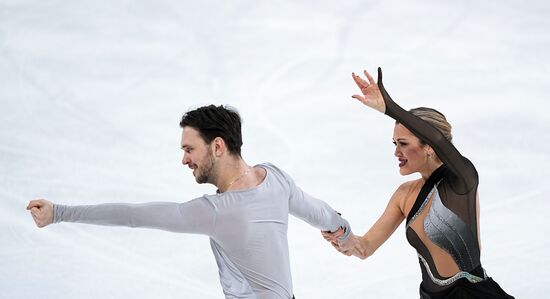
[412, 185]
[406, 194]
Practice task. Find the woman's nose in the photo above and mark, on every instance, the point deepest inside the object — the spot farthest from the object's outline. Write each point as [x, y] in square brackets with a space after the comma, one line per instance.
[397, 152]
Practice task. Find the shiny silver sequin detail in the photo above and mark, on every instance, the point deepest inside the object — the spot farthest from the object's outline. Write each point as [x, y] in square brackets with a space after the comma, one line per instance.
[445, 229]
[423, 205]
[445, 282]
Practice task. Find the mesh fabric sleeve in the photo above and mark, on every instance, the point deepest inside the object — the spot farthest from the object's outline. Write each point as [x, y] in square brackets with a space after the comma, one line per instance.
[196, 216]
[445, 150]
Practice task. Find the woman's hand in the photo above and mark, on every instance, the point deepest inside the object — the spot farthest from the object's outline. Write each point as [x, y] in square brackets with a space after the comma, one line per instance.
[41, 211]
[352, 245]
[372, 96]
[333, 237]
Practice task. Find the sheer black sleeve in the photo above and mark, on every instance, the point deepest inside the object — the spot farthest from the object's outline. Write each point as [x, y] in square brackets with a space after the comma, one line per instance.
[461, 167]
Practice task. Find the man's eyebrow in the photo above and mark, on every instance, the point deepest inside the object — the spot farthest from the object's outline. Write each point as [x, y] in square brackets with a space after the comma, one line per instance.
[184, 146]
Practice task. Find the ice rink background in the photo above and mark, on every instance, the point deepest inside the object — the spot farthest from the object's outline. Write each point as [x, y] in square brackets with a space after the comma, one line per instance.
[91, 94]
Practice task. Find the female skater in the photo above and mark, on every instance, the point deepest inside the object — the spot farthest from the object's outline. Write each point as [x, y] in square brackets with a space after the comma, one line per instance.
[441, 208]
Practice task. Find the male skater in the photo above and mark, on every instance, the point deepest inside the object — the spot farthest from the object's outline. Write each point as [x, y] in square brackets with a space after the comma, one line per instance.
[246, 219]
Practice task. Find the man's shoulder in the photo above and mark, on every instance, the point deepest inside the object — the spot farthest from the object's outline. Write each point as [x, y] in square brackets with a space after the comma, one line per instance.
[274, 172]
[266, 165]
[270, 167]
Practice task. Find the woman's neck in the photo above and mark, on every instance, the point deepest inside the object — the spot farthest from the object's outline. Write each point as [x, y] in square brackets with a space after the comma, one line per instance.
[430, 168]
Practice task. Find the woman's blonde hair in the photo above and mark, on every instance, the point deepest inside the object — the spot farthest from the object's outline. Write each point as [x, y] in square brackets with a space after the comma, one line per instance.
[436, 119]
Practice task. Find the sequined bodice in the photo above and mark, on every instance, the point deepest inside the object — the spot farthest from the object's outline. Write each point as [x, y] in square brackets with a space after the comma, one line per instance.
[442, 228]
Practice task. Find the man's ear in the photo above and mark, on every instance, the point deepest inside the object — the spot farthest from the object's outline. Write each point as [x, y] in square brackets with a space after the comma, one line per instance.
[219, 147]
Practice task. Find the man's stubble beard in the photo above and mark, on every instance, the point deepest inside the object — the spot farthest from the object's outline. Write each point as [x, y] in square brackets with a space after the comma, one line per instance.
[205, 171]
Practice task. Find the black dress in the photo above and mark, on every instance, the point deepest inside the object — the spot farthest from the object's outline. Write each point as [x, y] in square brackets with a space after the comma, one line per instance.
[442, 224]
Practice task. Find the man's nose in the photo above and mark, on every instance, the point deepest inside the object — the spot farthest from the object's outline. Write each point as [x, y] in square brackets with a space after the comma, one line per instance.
[185, 160]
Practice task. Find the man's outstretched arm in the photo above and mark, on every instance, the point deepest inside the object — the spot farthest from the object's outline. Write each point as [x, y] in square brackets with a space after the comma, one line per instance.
[196, 216]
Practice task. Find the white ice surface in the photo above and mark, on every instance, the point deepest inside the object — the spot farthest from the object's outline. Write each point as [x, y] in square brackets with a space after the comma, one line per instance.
[91, 94]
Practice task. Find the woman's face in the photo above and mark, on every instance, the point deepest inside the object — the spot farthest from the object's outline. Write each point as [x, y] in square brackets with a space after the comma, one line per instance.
[411, 153]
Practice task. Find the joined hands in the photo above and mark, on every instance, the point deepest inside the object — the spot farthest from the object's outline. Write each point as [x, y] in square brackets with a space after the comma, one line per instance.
[352, 245]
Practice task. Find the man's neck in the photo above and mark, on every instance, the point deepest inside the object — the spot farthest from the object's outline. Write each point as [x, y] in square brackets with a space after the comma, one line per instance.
[231, 172]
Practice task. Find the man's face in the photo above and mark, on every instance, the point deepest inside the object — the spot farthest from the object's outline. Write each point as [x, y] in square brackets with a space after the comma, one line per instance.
[197, 155]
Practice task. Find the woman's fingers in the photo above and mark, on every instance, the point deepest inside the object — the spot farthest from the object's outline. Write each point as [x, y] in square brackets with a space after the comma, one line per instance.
[369, 77]
[328, 236]
[360, 98]
[360, 81]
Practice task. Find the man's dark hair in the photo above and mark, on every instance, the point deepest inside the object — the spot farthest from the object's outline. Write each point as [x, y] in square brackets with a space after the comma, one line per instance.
[216, 121]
